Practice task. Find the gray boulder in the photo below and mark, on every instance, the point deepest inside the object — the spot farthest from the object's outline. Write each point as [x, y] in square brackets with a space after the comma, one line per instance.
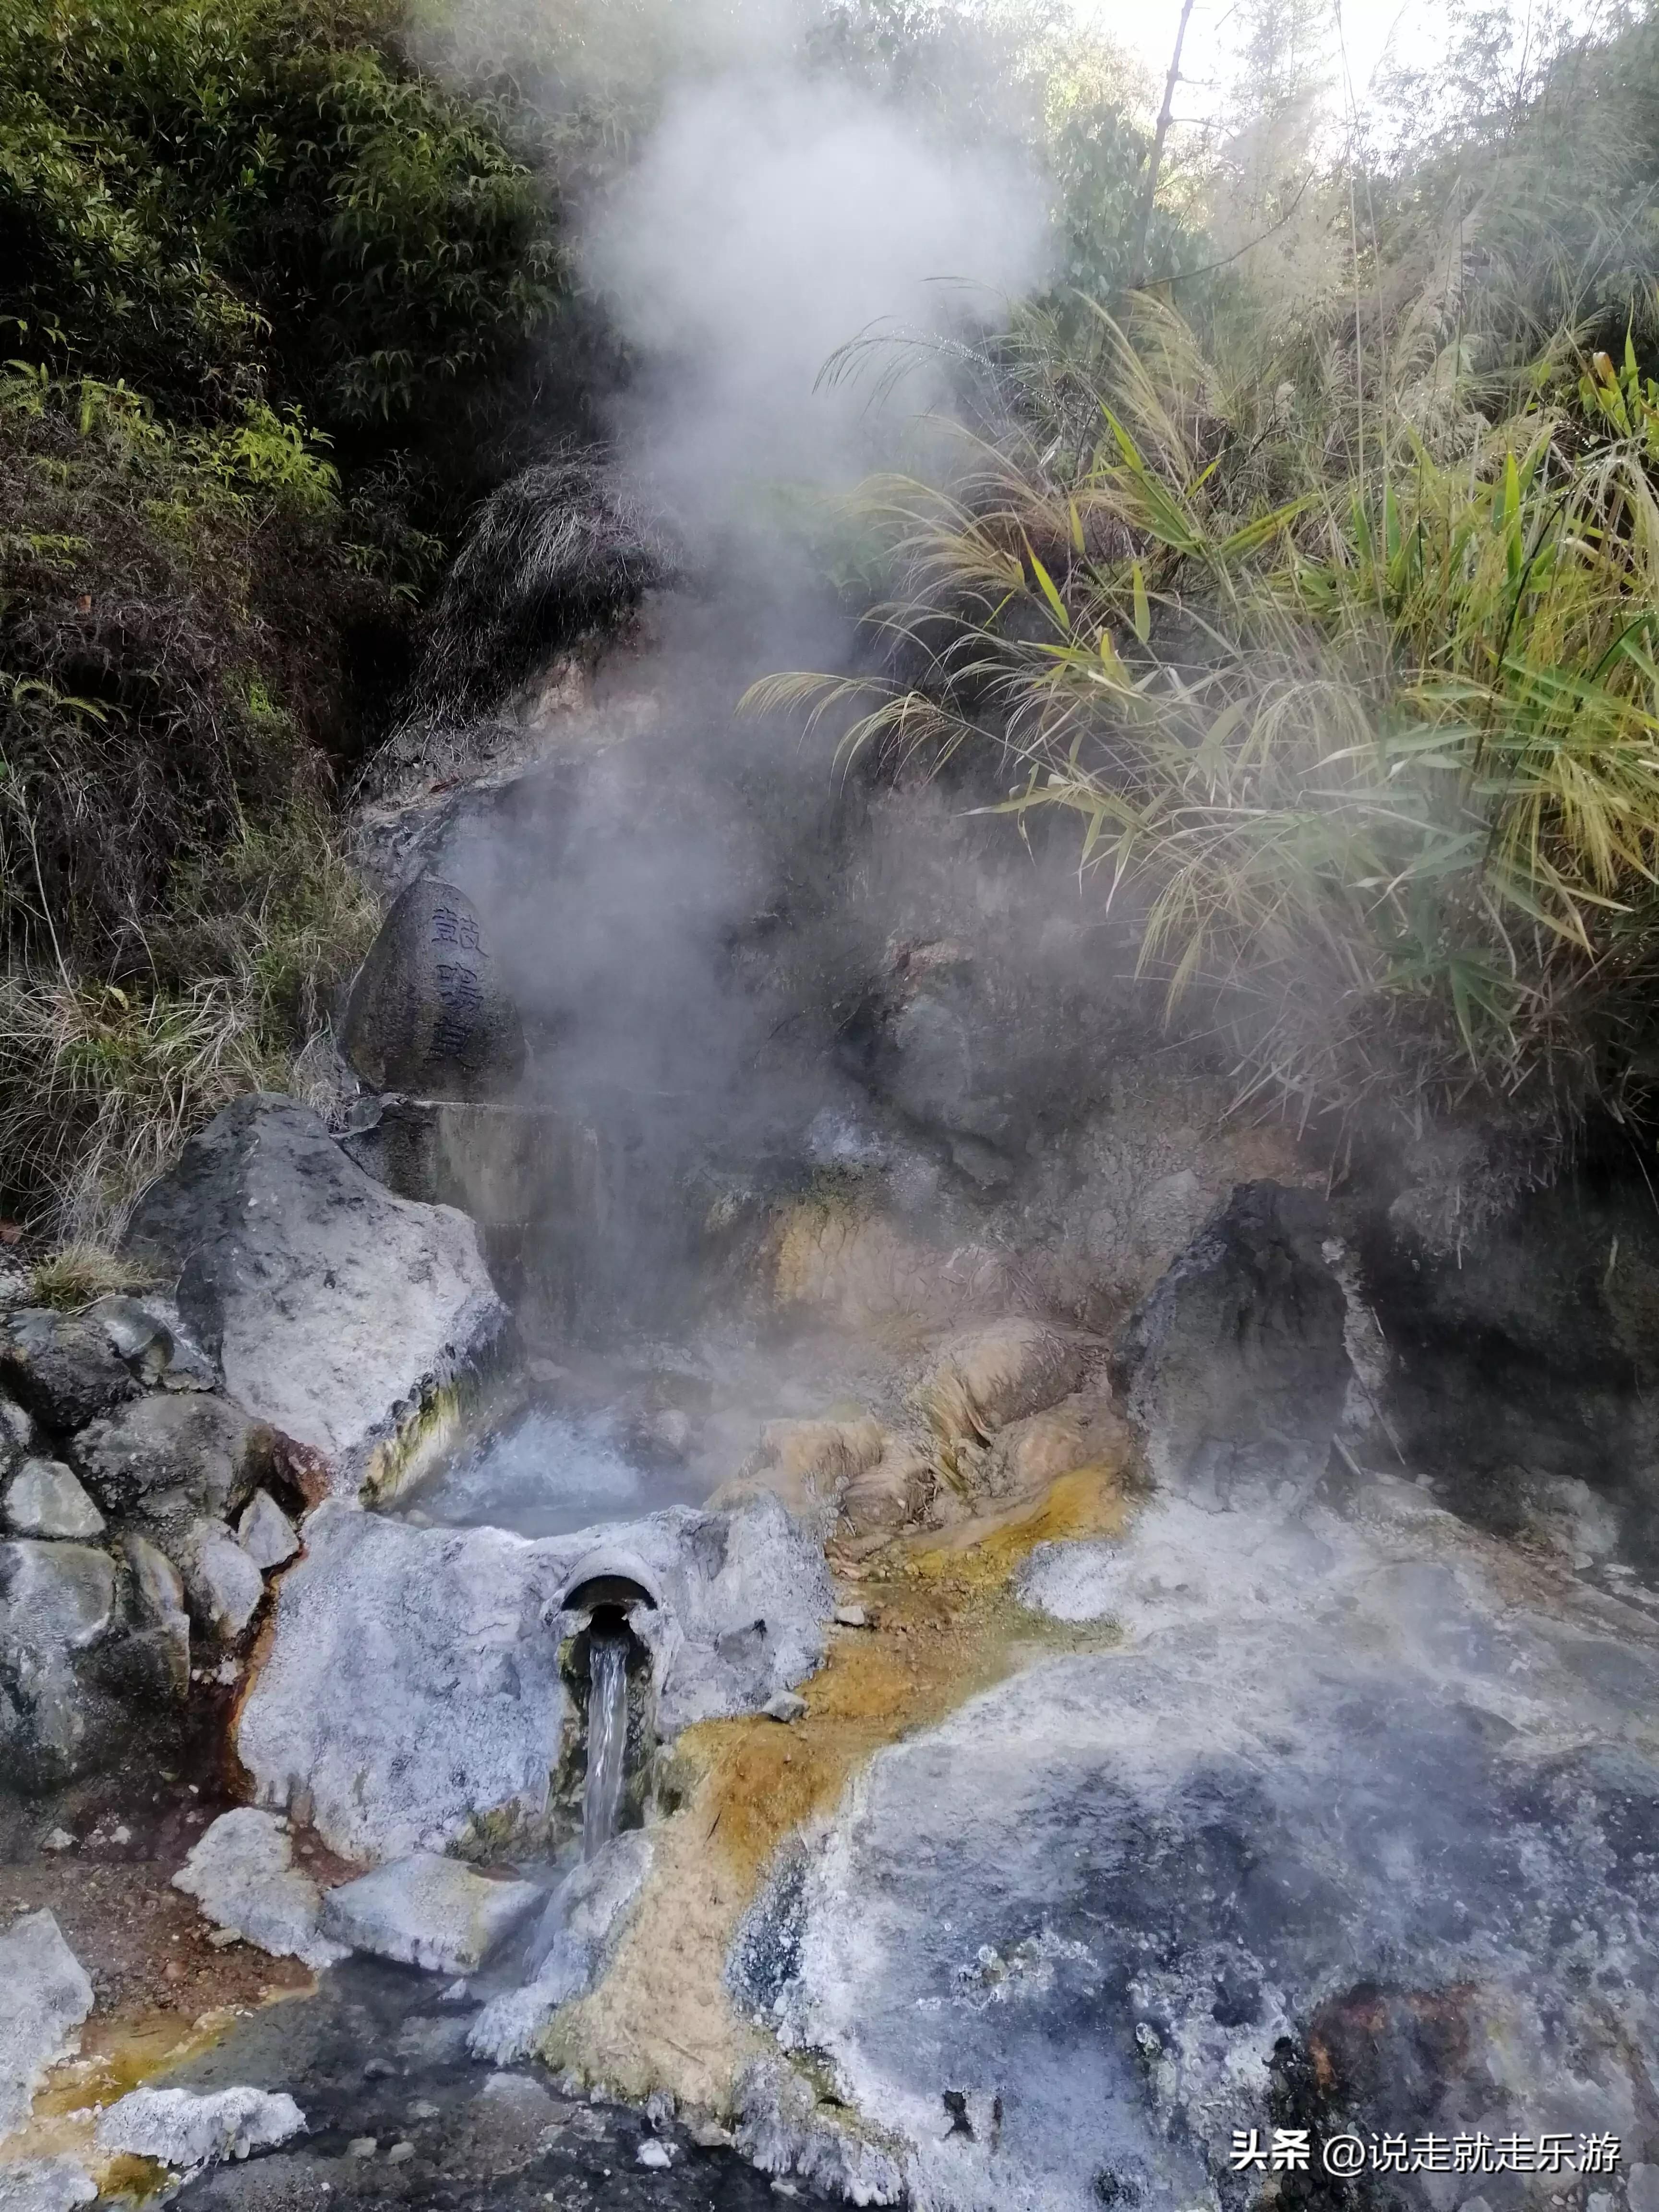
[180, 2129]
[1356, 1828]
[43, 1499]
[60, 1594]
[265, 1533]
[170, 1459]
[19, 1437]
[430, 1012]
[158, 1592]
[429, 1911]
[225, 1585]
[58, 1717]
[62, 1367]
[411, 1686]
[143, 1338]
[1235, 1369]
[337, 1312]
[241, 1874]
[45, 1995]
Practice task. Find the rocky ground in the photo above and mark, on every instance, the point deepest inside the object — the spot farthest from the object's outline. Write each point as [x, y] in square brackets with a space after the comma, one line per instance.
[1163, 1655]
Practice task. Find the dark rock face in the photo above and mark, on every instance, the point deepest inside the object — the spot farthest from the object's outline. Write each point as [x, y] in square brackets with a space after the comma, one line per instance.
[1235, 1368]
[1523, 1378]
[163, 1456]
[430, 1012]
[57, 1603]
[63, 1368]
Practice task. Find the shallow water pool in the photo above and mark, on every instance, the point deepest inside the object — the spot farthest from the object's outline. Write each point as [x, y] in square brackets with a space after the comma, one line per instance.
[545, 1472]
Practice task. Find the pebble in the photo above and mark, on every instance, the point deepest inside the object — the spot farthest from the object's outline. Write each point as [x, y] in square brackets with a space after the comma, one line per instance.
[399, 2152]
[422, 2111]
[851, 1616]
[785, 1706]
[58, 1839]
[654, 2155]
[222, 1938]
[362, 2147]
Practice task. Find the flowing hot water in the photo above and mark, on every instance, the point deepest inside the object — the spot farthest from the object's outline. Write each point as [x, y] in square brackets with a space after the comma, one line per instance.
[607, 1741]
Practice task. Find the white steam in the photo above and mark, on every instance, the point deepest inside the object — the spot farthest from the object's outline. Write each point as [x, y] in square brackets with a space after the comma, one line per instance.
[771, 218]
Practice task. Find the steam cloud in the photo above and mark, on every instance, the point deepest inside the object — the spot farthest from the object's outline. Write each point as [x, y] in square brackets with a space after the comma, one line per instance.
[672, 902]
[771, 219]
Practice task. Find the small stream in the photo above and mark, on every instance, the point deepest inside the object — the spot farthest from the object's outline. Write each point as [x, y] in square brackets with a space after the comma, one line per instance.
[378, 2056]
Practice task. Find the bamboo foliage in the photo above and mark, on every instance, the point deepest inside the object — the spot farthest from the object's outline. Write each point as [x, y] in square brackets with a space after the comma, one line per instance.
[1377, 762]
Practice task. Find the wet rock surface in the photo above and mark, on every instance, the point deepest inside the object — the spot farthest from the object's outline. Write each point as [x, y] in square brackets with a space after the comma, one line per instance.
[377, 2061]
[335, 1311]
[412, 1688]
[1358, 1831]
[1235, 1368]
[579, 1928]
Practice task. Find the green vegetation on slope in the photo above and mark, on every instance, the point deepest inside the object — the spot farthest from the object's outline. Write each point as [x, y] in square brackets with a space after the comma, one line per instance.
[1329, 614]
[266, 289]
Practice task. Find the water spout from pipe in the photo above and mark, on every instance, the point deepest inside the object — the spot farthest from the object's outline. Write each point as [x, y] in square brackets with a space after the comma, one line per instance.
[607, 1740]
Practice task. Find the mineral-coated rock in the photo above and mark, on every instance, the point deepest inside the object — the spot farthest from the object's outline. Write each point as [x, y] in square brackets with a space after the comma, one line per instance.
[265, 1533]
[1357, 1828]
[45, 2184]
[992, 1376]
[225, 1585]
[430, 1012]
[43, 1499]
[61, 1594]
[411, 1686]
[172, 1457]
[178, 2129]
[428, 1912]
[242, 1875]
[335, 1311]
[581, 1926]
[45, 1995]
[63, 1367]
[810, 1464]
[1235, 1369]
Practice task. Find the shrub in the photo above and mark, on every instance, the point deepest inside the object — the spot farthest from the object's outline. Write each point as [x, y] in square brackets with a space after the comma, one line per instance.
[215, 199]
[173, 912]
